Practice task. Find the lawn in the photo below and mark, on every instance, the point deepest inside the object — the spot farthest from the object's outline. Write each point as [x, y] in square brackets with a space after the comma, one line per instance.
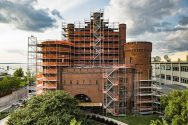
[137, 120]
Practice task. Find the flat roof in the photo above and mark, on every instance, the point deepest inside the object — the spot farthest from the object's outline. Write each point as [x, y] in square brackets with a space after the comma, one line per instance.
[167, 88]
[183, 62]
[146, 80]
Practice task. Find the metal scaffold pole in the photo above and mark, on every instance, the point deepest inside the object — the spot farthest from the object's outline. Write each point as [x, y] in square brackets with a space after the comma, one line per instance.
[32, 64]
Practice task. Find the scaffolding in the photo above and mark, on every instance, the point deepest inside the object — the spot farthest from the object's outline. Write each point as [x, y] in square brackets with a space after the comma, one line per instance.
[115, 90]
[55, 55]
[143, 96]
[97, 36]
[32, 67]
[94, 44]
[156, 98]
[96, 41]
[32, 55]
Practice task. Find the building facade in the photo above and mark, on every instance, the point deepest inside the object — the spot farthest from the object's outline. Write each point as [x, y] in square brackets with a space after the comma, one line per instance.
[167, 77]
[170, 73]
[96, 65]
[139, 54]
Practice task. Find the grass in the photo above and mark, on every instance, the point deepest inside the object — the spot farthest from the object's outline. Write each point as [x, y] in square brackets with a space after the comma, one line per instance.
[137, 120]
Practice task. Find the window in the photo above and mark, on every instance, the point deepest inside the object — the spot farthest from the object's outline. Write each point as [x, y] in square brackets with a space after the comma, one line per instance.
[168, 67]
[156, 67]
[168, 77]
[175, 78]
[176, 68]
[184, 68]
[184, 80]
[157, 76]
[162, 67]
[121, 80]
[130, 59]
[97, 82]
[70, 81]
[162, 76]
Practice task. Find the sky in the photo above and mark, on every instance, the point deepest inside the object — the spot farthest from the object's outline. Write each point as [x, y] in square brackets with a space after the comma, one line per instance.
[162, 22]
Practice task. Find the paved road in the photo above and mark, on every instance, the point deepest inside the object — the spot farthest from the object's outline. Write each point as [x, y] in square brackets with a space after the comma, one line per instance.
[3, 121]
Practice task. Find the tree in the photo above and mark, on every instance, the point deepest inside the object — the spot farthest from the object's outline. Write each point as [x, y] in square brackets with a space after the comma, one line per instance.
[5, 87]
[19, 73]
[30, 78]
[74, 122]
[158, 122]
[175, 107]
[50, 108]
[8, 84]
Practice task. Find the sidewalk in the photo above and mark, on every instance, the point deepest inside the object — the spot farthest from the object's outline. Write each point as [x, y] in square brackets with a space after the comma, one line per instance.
[109, 119]
[3, 121]
[4, 108]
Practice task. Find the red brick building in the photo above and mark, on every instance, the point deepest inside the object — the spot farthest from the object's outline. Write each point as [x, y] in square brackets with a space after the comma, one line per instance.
[96, 65]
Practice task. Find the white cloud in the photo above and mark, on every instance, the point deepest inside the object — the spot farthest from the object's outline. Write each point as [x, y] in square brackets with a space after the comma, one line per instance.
[148, 20]
[61, 5]
[22, 15]
[141, 16]
[14, 42]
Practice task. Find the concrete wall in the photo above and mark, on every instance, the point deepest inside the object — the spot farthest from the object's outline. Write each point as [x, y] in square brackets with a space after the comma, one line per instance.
[15, 96]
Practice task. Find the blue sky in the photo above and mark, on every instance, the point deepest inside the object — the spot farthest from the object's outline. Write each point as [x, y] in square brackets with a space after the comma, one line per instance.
[81, 12]
[184, 3]
[163, 22]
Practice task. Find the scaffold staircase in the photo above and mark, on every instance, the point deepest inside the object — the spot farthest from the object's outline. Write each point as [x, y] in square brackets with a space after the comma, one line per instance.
[111, 96]
[97, 35]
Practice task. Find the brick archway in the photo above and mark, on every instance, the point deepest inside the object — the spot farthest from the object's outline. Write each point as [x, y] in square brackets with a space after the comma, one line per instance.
[83, 98]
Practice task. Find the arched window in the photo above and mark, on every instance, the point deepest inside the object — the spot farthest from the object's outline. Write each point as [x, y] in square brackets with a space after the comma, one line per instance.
[82, 98]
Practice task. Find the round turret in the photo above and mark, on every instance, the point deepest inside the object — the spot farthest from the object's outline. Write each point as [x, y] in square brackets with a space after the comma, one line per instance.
[139, 54]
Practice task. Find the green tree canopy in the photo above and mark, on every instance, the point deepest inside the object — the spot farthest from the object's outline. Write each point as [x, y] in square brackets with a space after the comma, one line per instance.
[19, 73]
[8, 84]
[175, 107]
[30, 78]
[50, 108]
